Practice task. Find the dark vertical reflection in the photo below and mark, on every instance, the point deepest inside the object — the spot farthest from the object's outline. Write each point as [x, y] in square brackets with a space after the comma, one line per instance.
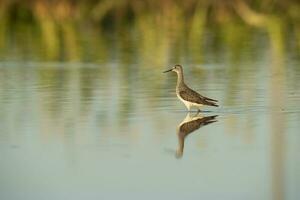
[277, 102]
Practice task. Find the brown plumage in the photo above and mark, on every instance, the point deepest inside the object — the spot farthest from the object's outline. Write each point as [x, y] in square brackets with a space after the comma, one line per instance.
[192, 96]
[188, 96]
[189, 125]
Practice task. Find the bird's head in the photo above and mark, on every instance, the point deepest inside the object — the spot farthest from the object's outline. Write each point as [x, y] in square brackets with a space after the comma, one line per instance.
[176, 68]
[179, 153]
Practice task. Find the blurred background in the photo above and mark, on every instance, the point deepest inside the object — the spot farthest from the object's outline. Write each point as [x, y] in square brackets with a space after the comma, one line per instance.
[86, 113]
[156, 31]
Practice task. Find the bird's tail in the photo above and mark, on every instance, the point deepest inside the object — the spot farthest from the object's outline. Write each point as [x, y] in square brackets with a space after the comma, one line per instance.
[211, 102]
[209, 99]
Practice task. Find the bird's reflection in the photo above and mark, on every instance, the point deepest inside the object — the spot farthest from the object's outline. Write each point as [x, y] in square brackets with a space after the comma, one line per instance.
[189, 125]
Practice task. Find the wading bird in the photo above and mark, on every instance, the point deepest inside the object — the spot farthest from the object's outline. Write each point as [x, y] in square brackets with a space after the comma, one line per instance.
[189, 97]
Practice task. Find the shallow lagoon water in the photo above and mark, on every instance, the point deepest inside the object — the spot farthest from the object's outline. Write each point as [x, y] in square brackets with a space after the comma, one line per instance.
[108, 130]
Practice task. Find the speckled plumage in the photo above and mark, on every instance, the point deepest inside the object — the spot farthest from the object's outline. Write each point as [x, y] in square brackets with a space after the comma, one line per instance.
[188, 96]
[192, 96]
[189, 125]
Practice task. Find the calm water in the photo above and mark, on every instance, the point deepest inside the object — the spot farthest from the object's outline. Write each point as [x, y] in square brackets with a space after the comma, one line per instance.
[109, 129]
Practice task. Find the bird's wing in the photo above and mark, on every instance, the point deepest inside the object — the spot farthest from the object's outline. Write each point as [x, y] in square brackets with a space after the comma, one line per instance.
[193, 125]
[192, 96]
[209, 99]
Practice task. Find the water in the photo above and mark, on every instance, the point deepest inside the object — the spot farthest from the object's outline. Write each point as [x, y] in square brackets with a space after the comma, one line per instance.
[108, 129]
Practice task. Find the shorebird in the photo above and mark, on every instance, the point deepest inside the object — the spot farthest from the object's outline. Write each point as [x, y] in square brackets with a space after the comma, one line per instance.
[189, 125]
[189, 97]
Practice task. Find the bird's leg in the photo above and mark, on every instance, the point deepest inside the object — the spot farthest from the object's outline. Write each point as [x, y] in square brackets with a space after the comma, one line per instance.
[198, 111]
[189, 108]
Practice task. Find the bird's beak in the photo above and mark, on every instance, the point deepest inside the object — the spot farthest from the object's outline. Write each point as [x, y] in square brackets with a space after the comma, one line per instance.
[168, 70]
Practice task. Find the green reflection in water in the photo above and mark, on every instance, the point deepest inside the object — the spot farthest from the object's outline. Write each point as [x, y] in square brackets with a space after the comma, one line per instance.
[99, 80]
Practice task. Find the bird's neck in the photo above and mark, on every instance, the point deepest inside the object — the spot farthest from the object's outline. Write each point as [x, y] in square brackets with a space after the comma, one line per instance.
[180, 79]
[180, 147]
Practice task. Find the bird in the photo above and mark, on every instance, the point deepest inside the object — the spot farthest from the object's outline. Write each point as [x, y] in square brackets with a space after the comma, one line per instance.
[189, 97]
[189, 125]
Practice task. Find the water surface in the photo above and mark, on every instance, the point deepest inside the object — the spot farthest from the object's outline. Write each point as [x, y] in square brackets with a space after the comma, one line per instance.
[109, 129]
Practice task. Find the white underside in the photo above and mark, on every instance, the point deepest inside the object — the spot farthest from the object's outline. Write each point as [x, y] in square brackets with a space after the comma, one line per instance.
[189, 118]
[189, 105]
